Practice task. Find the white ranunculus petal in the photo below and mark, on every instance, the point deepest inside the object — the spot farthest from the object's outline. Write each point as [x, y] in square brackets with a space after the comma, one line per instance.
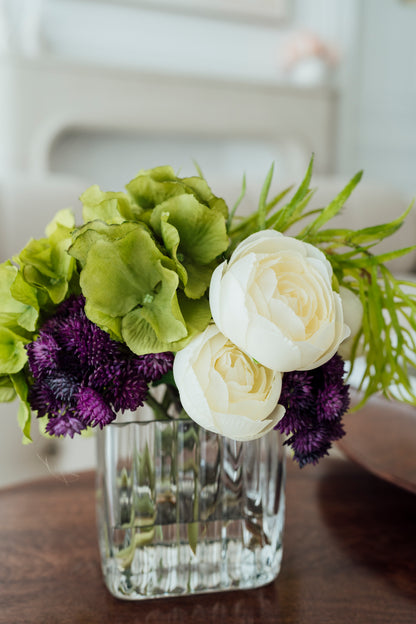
[284, 317]
[231, 295]
[251, 409]
[353, 313]
[201, 364]
[309, 353]
[215, 290]
[194, 394]
[267, 282]
[269, 346]
[324, 336]
[243, 429]
[254, 242]
[319, 361]
[243, 268]
[260, 298]
[321, 266]
[341, 332]
[217, 393]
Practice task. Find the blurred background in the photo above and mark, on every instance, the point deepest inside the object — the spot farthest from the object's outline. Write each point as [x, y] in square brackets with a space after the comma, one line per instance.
[91, 91]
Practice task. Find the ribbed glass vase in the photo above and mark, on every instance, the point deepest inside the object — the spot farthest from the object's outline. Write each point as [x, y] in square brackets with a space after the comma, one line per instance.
[181, 510]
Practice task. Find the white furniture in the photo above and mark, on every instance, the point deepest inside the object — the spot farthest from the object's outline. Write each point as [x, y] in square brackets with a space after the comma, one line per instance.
[46, 98]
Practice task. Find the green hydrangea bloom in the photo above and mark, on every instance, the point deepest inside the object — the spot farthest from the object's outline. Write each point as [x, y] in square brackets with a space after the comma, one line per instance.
[147, 257]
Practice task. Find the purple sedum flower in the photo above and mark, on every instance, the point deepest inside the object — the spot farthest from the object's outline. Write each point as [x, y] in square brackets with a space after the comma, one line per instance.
[44, 355]
[65, 424]
[153, 365]
[315, 402]
[93, 409]
[81, 377]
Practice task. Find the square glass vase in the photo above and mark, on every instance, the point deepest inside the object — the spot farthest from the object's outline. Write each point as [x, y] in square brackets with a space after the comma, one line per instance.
[181, 510]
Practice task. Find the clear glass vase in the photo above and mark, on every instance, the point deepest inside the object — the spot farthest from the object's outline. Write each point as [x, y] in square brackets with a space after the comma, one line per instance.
[181, 510]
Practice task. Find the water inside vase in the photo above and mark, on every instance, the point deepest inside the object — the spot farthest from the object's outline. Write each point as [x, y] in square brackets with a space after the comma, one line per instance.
[226, 557]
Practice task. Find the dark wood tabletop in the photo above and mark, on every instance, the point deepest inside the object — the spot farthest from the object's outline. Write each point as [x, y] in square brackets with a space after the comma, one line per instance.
[349, 556]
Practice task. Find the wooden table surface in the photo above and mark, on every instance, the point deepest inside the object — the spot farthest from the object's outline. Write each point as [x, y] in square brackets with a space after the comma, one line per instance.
[349, 556]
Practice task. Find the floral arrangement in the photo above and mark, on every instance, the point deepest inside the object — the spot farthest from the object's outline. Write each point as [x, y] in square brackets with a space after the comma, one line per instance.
[246, 320]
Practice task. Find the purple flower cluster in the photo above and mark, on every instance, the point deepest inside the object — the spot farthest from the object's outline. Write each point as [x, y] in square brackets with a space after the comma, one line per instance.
[81, 377]
[315, 402]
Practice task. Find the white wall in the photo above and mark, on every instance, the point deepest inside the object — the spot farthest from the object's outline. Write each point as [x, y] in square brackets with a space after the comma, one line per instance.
[386, 93]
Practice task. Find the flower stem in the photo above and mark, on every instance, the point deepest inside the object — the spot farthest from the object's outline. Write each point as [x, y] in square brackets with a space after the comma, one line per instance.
[158, 410]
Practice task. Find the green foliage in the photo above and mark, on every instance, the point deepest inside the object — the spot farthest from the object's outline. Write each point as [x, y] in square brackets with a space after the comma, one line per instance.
[45, 263]
[38, 279]
[237, 203]
[7, 391]
[107, 207]
[21, 387]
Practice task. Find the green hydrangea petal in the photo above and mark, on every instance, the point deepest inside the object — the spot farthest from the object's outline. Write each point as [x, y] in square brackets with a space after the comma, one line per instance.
[203, 192]
[141, 337]
[131, 273]
[37, 254]
[202, 232]
[163, 173]
[153, 186]
[24, 414]
[60, 239]
[199, 279]
[85, 236]
[45, 263]
[118, 275]
[197, 314]
[17, 320]
[27, 296]
[110, 324]
[56, 288]
[18, 301]
[148, 192]
[107, 206]
[7, 391]
[163, 312]
[63, 221]
[13, 354]
[24, 418]
[170, 236]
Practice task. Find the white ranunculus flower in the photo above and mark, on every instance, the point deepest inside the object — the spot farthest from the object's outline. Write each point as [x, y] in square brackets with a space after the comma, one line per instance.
[224, 390]
[274, 300]
[353, 316]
